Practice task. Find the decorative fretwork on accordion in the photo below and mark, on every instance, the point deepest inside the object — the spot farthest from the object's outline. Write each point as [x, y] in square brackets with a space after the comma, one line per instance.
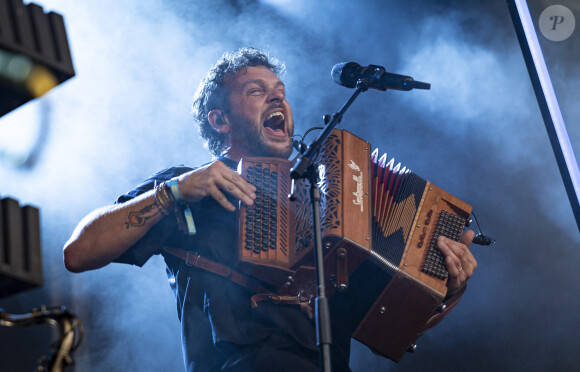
[380, 223]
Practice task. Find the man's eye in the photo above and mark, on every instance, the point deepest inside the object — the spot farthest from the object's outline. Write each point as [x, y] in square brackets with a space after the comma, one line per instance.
[256, 91]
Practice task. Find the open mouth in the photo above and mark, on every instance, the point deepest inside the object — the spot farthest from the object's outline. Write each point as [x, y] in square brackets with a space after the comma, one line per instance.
[275, 124]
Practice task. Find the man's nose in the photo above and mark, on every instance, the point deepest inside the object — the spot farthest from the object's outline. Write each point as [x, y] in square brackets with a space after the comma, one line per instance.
[276, 96]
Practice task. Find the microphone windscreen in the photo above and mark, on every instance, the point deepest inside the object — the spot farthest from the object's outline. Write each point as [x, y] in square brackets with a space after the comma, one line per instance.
[344, 74]
[481, 239]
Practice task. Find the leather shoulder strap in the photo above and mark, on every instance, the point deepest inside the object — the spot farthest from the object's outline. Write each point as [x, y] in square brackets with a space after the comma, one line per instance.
[195, 260]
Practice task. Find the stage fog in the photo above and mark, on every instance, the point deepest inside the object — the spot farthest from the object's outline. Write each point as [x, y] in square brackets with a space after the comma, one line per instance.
[477, 133]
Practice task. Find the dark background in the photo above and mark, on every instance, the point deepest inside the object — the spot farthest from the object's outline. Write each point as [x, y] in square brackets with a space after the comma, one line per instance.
[477, 133]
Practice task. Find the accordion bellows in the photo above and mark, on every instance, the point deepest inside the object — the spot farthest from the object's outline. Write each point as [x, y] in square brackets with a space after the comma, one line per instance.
[380, 222]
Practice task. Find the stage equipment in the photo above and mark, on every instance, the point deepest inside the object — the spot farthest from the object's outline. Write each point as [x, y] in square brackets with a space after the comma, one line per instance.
[34, 53]
[69, 327]
[20, 253]
[546, 96]
[306, 168]
[348, 74]
[383, 272]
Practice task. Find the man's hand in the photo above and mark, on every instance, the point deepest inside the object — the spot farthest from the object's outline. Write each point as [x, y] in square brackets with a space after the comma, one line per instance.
[460, 262]
[213, 180]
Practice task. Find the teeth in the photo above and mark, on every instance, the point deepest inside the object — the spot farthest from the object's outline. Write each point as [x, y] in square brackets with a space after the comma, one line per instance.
[276, 114]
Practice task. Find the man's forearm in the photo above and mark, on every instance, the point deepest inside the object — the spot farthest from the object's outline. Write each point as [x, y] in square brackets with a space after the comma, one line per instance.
[106, 233]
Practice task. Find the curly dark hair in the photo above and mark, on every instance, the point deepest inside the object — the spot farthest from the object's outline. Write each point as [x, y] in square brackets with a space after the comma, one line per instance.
[213, 93]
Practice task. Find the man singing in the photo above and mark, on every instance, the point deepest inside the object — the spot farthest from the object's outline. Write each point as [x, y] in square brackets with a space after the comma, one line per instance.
[241, 110]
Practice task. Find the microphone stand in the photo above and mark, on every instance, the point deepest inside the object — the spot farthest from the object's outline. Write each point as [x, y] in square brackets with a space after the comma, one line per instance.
[306, 168]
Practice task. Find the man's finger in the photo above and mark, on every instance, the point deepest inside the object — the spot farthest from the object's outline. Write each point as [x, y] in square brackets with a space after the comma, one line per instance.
[222, 200]
[246, 196]
[242, 183]
[230, 181]
[445, 246]
[467, 237]
[247, 188]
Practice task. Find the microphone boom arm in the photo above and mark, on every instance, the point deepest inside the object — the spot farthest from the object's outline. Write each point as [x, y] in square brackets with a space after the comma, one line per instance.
[305, 168]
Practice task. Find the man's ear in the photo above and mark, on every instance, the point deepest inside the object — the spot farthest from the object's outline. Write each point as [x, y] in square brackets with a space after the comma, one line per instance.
[218, 121]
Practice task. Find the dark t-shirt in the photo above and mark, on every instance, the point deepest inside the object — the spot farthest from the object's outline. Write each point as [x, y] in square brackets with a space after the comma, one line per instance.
[216, 315]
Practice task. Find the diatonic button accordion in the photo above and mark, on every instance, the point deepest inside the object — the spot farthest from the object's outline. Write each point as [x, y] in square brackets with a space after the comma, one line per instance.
[380, 222]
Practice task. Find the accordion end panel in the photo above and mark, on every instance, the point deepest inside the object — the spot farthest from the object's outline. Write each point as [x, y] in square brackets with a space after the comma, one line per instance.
[440, 214]
[397, 317]
[395, 320]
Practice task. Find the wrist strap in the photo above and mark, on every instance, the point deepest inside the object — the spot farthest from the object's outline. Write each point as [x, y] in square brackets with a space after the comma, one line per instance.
[173, 183]
[184, 210]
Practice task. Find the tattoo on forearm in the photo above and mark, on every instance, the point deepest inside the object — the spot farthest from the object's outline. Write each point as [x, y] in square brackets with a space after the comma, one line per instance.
[139, 218]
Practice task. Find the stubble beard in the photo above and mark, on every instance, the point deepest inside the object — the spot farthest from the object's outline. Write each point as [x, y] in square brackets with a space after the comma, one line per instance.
[250, 138]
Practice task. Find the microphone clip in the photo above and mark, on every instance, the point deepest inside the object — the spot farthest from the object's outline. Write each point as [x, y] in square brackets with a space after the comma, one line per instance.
[299, 146]
[370, 76]
[480, 238]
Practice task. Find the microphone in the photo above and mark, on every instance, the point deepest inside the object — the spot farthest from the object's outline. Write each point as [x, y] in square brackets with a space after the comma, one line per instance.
[299, 146]
[481, 239]
[348, 74]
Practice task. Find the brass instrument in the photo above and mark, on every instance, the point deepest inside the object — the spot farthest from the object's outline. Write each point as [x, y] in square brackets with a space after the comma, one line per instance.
[70, 333]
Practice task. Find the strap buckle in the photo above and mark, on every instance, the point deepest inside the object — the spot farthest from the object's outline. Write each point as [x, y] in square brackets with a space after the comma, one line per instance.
[187, 258]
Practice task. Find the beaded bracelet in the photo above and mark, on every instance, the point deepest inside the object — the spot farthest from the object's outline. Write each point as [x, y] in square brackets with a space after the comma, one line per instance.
[164, 201]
